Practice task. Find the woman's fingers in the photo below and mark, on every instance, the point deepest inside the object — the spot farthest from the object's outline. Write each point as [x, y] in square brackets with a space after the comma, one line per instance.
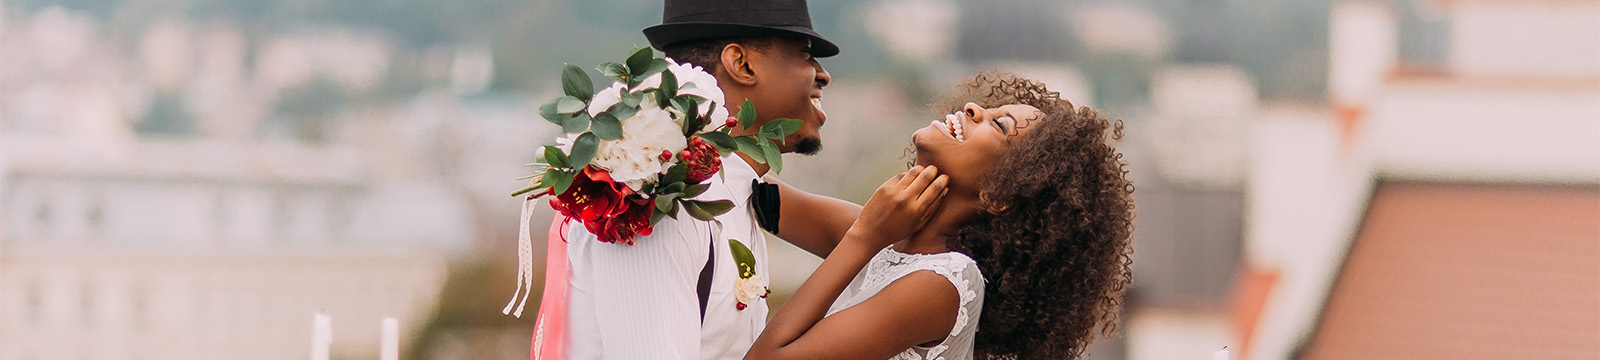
[906, 177]
[921, 181]
[935, 189]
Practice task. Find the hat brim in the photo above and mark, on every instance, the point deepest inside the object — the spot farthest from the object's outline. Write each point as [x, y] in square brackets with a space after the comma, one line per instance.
[667, 34]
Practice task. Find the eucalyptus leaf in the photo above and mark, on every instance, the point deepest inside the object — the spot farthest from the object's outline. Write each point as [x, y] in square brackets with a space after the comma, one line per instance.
[639, 62]
[576, 123]
[583, 149]
[576, 83]
[656, 65]
[622, 111]
[606, 126]
[549, 112]
[669, 86]
[632, 98]
[613, 71]
[674, 188]
[780, 128]
[718, 207]
[569, 104]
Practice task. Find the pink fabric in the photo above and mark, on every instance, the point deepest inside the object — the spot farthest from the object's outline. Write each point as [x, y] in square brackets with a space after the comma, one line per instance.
[550, 333]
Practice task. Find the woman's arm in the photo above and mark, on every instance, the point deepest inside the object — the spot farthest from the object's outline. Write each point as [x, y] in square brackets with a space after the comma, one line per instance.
[812, 222]
[907, 313]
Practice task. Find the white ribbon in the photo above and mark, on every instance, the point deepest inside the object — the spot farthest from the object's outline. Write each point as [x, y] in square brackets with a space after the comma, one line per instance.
[519, 299]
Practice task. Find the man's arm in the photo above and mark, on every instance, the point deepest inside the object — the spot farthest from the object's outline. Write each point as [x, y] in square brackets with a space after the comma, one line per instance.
[810, 221]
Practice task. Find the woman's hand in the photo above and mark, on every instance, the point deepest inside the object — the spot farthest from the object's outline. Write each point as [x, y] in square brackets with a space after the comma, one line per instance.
[900, 207]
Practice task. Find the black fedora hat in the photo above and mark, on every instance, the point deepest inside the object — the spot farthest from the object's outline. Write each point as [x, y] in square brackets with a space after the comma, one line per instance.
[686, 20]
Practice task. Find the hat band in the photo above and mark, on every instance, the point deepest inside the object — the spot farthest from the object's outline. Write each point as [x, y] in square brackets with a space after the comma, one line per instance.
[760, 17]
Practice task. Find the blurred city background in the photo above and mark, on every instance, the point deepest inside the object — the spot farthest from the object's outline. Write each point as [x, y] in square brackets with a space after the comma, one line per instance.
[1317, 179]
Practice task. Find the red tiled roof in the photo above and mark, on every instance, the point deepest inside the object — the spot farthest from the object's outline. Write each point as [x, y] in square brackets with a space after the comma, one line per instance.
[1448, 271]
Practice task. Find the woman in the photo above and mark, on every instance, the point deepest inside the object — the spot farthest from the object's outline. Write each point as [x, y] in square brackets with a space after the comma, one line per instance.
[1025, 236]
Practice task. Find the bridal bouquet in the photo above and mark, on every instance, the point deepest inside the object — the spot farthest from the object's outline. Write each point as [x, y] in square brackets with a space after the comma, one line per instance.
[644, 147]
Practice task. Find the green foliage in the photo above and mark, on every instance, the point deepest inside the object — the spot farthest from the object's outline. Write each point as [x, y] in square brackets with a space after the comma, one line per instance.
[743, 258]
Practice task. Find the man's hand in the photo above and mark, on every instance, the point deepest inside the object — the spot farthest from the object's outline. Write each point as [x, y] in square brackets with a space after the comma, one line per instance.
[901, 206]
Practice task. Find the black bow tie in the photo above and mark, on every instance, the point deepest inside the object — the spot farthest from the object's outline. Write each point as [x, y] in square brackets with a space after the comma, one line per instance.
[764, 198]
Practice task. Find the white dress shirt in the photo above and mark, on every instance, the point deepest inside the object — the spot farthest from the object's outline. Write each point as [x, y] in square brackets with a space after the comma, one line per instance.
[639, 301]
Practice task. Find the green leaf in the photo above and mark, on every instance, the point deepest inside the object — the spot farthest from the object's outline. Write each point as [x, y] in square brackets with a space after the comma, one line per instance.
[718, 207]
[563, 180]
[692, 191]
[622, 111]
[676, 174]
[549, 112]
[665, 202]
[607, 127]
[690, 109]
[656, 216]
[639, 63]
[576, 83]
[669, 87]
[721, 140]
[554, 157]
[613, 71]
[774, 157]
[751, 147]
[674, 188]
[575, 123]
[778, 129]
[569, 105]
[656, 65]
[743, 258]
[747, 114]
[632, 99]
[583, 149]
[694, 209]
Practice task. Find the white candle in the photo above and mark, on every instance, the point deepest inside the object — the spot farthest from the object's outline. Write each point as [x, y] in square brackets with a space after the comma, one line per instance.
[390, 349]
[1220, 355]
[321, 335]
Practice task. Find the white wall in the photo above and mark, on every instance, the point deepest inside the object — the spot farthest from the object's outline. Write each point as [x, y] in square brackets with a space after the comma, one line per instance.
[1538, 38]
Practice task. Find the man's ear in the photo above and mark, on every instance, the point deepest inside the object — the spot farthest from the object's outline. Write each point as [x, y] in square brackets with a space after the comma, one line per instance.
[735, 60]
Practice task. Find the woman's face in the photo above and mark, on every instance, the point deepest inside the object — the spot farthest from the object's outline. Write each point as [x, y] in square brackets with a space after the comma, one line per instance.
[965, 144]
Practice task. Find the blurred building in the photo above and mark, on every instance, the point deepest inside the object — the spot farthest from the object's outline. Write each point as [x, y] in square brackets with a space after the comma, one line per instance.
[154, 205]
[1441, 209]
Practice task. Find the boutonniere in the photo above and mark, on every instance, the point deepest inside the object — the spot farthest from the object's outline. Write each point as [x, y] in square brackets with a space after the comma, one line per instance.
[750, 286]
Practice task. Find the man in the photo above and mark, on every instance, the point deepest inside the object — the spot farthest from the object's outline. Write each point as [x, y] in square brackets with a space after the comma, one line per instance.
[672, 295]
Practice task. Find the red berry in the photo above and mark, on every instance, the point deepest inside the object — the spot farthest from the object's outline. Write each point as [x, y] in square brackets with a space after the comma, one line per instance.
[732, 122]
[740, 306]
[666, 155]
[685, 155]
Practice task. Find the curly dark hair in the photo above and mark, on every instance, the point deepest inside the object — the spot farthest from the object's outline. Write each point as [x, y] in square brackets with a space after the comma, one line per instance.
[1054, 239]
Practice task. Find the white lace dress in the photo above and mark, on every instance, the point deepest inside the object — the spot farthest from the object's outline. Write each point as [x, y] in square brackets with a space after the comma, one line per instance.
[889, 265]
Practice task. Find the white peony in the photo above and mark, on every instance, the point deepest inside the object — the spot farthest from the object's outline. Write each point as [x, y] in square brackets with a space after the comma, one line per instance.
[749, 289]
[636, 157]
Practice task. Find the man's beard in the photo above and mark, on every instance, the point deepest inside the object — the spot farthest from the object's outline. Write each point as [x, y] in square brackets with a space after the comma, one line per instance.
[808, 146]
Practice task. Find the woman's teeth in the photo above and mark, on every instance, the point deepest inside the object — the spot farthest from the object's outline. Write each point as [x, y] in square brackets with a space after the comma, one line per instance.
[956, 127]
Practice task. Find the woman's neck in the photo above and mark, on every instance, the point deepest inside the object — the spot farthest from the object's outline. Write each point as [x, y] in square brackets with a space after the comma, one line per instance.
[934, 237]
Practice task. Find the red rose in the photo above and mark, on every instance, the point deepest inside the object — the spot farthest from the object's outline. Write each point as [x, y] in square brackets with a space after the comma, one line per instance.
[633, 221]
[592, 196]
